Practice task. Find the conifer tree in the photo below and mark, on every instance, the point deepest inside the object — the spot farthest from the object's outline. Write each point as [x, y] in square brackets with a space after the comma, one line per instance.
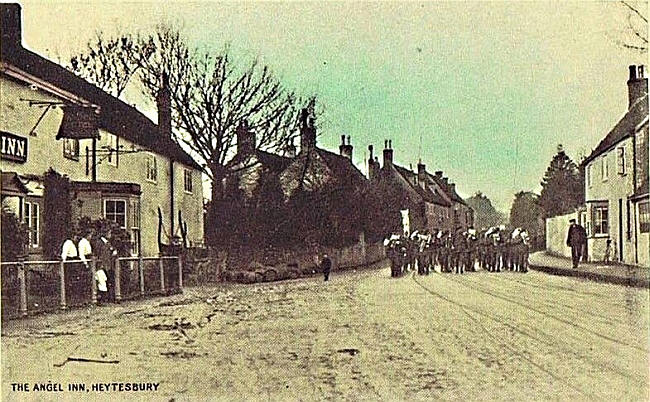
[562, 186]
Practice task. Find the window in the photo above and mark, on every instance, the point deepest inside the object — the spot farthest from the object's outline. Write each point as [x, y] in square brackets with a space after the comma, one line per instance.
[187, 180]
[604, 168]
[620, 159]
[71, 148]
[152, 168]
[32, 220]
[111, 149]
[600, 219]
[115, 210]
[644, 217]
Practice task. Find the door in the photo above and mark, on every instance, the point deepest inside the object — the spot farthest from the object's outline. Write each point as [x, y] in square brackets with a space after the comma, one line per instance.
[621, 239]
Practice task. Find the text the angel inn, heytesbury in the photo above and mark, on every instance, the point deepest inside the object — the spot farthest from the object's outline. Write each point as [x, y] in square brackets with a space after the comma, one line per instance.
[121, 165]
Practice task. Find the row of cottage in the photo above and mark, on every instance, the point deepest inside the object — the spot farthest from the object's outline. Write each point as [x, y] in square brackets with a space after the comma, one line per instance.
[427, 201]
[125, 168]
[617, 206]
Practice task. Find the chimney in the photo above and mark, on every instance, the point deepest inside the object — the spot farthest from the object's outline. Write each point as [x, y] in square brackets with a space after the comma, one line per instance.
[388, 155]
[373, 164]
[10, 25]
[637, 84]
[307, 130]
[452, 187]
[346, 149]
[245, 139]
[163, 101]
[291, 149]
[438, 174]
[422, 174]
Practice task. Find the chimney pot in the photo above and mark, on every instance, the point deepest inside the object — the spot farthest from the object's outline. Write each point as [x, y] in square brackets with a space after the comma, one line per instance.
[632, 73]
[637, 85]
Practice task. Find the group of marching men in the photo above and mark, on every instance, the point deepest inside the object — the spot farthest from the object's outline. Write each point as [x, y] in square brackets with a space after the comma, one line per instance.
[494, 250]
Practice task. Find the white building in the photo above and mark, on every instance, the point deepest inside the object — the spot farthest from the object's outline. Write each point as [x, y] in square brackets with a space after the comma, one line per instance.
[616, 183]
[126, 173]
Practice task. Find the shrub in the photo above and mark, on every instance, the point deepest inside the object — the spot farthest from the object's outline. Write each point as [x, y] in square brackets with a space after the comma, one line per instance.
[14, 236]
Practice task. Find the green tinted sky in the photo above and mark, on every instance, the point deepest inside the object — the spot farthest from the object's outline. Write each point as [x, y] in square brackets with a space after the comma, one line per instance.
[491, 88]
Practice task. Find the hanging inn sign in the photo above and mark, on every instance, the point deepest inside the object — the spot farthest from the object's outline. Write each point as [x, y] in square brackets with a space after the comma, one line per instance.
[13, 147]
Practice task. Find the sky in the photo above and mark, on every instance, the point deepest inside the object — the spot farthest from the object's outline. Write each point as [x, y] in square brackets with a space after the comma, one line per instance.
[484, 91]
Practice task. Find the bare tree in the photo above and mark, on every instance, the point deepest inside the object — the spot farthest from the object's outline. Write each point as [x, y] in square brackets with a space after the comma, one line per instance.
[108, 62]
[210, 94]
[636, 30]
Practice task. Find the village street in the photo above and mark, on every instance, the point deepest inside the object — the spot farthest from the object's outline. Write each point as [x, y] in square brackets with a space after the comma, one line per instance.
[362, 335]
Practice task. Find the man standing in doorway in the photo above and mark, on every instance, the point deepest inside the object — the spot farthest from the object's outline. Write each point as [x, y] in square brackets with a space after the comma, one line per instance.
[576, 238]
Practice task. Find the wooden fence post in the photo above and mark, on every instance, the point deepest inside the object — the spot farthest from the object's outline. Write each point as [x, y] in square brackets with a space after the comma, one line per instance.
[23, 289]
[63, 305]
[180, 274]
[141, 275]
[93, 283]
[162, 274]
[118, 286]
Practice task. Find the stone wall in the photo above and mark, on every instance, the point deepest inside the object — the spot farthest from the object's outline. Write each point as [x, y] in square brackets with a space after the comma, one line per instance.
[556, 232]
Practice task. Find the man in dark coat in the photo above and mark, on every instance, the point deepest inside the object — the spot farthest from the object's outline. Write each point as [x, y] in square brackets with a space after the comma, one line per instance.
[326, 264]
[576, 239]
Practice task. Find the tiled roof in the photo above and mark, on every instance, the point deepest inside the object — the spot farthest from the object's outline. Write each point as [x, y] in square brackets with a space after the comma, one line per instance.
[116, 116]
[342, 167]
[452, 194]
[427, 195]
[274, 162]
[624, 128]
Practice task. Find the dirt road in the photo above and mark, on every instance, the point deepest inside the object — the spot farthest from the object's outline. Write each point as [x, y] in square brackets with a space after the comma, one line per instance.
[362, 335]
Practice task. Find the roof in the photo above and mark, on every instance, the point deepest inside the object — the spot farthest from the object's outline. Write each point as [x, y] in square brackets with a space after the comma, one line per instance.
[273, 162]
[625, 127]
[116, 116]
[453, 195]
[12, 185]
[342, 167]
[429, 196]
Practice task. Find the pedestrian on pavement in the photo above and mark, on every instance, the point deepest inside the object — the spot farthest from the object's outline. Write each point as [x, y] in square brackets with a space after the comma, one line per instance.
[576, 238]
[326, 265]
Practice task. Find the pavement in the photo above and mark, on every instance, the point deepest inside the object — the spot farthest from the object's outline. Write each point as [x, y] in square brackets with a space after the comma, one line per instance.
[360, 336]
[613, 273]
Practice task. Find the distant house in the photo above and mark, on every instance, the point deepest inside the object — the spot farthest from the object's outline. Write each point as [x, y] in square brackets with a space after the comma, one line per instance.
[315, 167]
[311, 169]
[432, 201]
[616, 182]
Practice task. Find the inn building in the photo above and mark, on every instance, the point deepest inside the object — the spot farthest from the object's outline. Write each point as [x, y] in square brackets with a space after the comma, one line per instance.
[121, 165]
